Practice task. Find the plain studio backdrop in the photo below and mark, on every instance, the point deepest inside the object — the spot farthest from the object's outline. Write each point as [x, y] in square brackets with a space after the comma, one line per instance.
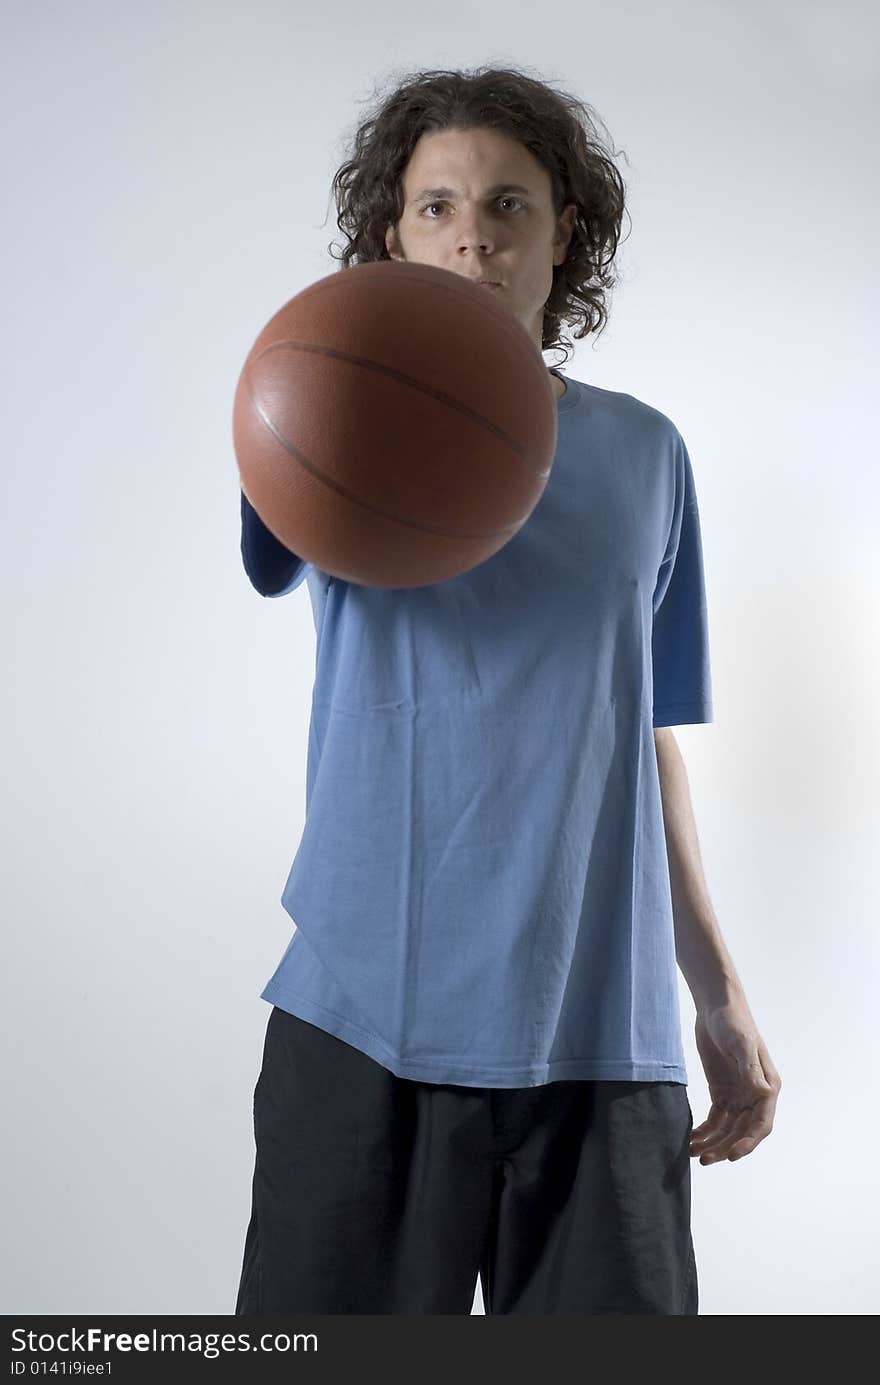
[167, 172]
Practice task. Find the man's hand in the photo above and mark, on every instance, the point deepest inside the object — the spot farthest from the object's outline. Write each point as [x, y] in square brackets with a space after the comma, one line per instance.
[743, 1083]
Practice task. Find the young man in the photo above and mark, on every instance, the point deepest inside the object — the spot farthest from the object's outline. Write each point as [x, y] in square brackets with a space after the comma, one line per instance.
[473, 1062]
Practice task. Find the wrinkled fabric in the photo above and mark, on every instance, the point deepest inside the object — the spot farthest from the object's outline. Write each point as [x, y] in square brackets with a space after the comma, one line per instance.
[374, 1193]
[481, 889]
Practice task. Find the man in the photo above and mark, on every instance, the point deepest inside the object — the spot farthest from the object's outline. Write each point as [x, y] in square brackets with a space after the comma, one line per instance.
[473, 1059]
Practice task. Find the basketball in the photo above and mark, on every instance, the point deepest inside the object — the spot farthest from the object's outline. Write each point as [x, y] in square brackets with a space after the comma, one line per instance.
[394, 424]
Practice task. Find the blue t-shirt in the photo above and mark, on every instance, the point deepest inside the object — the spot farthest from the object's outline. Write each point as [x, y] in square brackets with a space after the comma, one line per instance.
[481, 890]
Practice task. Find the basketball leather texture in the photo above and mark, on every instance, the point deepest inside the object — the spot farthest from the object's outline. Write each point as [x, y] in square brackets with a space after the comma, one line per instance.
[394, 424]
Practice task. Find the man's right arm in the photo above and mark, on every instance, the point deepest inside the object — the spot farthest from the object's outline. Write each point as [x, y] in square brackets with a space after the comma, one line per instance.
[273, 569]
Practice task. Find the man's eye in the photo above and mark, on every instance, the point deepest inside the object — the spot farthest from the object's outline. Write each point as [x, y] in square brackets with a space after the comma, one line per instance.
[428, 205]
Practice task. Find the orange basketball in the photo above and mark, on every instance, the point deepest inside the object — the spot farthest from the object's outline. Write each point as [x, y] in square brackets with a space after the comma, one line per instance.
[394, 424]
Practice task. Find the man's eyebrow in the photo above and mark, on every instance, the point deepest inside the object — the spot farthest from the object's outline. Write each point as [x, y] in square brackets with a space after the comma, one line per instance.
[450, 192]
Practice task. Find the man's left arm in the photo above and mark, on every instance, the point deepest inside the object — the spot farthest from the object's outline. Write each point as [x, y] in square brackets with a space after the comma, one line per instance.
[743, 1081]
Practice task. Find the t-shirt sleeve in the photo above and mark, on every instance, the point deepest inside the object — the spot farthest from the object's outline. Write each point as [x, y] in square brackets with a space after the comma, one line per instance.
[272, 568]
[680, 637]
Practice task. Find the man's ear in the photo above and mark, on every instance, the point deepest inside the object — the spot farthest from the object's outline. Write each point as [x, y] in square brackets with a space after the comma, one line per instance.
[564, 232]
[391, 243]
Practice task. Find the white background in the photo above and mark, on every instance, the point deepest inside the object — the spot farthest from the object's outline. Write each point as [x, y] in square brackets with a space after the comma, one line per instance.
[167, 170]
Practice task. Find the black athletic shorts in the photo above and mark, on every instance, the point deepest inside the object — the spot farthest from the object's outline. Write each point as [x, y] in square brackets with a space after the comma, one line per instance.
[374, 1193]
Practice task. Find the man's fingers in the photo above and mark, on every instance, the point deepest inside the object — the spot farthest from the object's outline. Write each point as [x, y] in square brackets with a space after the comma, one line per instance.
[718, 1146]
[717, 1121]
[748, 1131]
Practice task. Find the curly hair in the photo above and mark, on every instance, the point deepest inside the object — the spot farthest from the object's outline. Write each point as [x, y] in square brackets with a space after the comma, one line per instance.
[557, 128]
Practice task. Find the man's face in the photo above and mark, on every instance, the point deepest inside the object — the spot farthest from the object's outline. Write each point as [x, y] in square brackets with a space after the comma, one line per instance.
[495, 218]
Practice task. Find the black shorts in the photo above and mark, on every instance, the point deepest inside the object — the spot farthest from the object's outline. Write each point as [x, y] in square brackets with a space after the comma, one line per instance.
[374, 1193]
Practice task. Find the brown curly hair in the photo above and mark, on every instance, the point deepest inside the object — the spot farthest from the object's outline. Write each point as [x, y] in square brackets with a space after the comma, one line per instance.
[556, 127]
